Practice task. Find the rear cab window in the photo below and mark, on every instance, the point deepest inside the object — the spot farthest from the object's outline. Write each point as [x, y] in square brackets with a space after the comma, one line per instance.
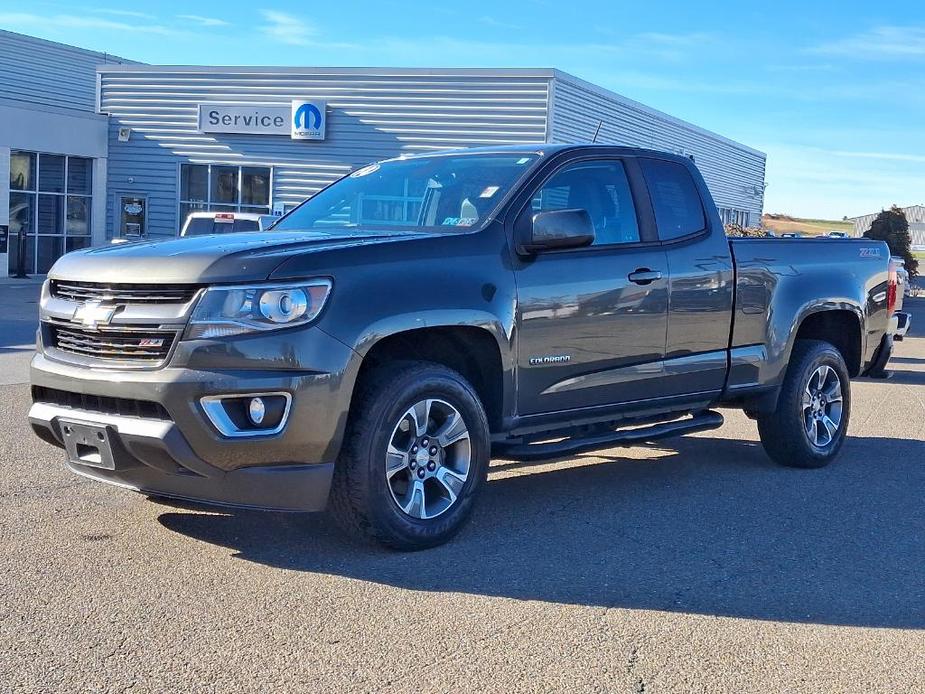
[675, 199]
[200, 226]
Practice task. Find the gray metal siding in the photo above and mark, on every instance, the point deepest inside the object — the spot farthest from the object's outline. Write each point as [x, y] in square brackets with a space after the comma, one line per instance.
[44, 72]
[733, 172]
[371, 115]
[915, 214]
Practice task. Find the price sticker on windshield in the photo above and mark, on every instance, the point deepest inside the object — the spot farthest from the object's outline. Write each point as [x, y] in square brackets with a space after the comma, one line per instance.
[365, 171]
[459, 221]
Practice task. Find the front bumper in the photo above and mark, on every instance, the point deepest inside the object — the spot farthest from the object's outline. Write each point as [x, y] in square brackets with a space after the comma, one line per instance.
[153, 457]
[180, 453]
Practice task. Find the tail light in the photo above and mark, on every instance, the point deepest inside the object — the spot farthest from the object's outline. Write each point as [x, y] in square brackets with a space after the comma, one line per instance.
[891, 288]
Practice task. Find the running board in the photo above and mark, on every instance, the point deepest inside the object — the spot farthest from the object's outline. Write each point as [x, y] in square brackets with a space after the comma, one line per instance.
[626, 437]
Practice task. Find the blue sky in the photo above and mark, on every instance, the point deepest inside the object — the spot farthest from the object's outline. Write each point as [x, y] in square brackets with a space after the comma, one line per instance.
[833, 92]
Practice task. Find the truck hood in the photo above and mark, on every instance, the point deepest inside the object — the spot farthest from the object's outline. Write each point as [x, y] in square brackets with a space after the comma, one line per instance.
[234, 257]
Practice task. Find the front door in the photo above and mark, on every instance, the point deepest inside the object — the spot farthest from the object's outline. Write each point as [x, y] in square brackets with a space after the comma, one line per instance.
[592, 322]
[131, 215]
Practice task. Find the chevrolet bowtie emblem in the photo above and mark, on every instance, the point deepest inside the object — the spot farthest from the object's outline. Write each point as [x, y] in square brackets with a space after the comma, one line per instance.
[92, 314]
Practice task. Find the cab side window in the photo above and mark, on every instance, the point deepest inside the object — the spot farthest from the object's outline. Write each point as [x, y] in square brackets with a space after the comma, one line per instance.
[601, 188]
[675, 199]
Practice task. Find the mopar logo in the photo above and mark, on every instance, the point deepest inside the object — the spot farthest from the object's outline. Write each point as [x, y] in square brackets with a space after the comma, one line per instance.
[308, 120]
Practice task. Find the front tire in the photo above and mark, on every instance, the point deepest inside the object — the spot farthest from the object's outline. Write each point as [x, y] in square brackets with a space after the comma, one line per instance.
[808, 427]
[415, 456]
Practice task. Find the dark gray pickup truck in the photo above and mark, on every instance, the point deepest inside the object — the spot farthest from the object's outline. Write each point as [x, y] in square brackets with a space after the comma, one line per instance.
[386, 338]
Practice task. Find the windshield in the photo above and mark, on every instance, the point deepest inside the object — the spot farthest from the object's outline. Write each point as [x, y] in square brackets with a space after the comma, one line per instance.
[441, 193]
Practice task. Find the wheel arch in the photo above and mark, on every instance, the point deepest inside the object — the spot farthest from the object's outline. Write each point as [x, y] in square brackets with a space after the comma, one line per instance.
[840, 326]
[473, 350]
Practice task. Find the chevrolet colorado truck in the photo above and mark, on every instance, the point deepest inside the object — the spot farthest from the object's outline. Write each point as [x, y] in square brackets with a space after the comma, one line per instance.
[374, 349]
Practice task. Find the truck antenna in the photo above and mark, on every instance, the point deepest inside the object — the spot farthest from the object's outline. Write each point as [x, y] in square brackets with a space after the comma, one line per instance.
[596, 132]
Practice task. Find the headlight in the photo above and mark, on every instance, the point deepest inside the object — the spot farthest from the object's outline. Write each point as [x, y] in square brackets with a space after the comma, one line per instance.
[224, 311]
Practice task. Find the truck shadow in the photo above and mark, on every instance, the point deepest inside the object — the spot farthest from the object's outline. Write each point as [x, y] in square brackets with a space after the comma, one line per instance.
[703, 525]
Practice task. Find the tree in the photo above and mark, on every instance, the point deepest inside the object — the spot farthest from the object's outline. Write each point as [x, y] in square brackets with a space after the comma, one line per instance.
[891, 226]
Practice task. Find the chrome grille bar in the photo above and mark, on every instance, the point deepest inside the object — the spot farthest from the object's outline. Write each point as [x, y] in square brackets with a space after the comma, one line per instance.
[124, 293]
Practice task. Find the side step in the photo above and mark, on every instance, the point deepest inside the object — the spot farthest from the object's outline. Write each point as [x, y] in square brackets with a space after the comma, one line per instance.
[702, 421]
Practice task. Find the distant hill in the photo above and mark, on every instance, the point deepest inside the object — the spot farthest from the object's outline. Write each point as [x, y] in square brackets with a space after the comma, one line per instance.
[782, 223]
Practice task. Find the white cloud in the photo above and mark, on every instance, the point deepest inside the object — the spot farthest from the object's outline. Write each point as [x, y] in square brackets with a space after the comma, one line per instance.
[883, 42]
[203, 21]
[123, 13]
[882, 156]
[27, 21]
[288, 29]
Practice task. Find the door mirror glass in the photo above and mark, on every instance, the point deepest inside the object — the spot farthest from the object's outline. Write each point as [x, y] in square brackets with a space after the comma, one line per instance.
[556, 229]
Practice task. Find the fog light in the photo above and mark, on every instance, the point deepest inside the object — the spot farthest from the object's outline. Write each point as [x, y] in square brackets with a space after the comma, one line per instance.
[256, 410]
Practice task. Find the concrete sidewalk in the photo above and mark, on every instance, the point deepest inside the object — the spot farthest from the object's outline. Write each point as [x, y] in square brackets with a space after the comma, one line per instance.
[16, 282]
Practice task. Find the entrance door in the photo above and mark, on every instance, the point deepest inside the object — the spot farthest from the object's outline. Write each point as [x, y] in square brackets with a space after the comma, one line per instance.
[132, 215]
[592, 322]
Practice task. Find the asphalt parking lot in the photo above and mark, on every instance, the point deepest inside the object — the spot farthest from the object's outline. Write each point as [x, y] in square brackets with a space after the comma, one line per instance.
[692, 565]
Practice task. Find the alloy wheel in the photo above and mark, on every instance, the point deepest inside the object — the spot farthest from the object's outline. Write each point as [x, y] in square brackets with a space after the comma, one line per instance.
[822, 406]
[428, 459]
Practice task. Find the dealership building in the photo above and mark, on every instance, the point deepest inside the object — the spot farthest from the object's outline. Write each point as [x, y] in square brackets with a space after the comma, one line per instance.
[164, 141]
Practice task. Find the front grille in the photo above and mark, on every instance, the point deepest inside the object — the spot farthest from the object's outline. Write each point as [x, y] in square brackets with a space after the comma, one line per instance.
[124, 293]
[127, 407]
[137, 345]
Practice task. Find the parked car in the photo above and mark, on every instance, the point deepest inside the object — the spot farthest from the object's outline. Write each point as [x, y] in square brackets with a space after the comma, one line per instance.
[792, 235]
[201, 223]
[838, 235]
[524, 302]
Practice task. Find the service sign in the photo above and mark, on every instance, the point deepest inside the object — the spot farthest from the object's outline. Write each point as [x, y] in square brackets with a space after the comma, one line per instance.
[308, 120]
[248, 119]
[301, 120]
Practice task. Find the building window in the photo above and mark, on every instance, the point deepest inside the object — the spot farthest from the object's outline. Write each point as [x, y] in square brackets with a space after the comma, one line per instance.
[50, 204]
[730, 216]
[223, 188]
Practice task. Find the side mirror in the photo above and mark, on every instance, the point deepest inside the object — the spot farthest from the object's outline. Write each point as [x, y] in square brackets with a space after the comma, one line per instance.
[556, 229]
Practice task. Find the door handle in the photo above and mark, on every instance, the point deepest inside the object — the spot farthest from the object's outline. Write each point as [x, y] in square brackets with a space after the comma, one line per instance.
[644, 275]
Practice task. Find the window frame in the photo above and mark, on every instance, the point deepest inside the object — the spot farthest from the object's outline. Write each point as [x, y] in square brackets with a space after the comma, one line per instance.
[239, 207]
[648, 237]
[35, 192]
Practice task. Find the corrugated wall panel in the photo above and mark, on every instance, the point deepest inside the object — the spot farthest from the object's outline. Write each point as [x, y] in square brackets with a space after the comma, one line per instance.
[915, 214]
[733, 172]
[44, 72]
[370, 116]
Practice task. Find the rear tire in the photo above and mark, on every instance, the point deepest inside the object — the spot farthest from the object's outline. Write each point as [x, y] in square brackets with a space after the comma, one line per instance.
[808, 427]
[390, 489]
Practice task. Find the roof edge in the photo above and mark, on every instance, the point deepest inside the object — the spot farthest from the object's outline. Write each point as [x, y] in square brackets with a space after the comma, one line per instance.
[548, 73]
[88, 51]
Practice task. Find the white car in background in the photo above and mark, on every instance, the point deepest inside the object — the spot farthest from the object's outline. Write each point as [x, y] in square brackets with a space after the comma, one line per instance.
[202, 223]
